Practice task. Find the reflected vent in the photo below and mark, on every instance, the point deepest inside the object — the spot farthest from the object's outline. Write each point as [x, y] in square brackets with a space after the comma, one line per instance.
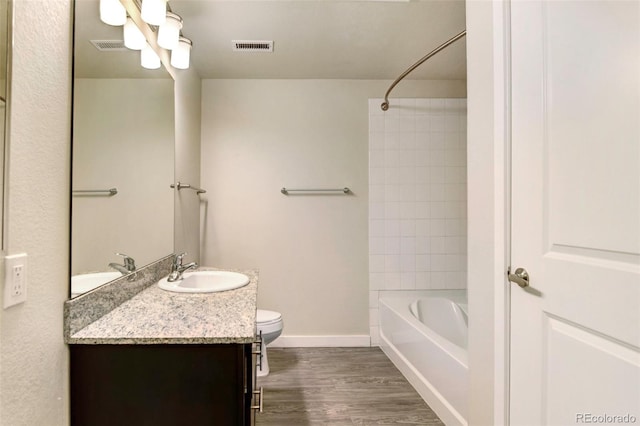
[252, 45]
[109, 45]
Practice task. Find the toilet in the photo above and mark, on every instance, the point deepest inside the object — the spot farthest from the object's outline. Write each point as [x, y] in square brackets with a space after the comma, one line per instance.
[269, 325]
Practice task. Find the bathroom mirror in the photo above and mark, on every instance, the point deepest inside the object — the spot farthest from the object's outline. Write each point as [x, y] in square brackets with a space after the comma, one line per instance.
[123, 155]
[5, 52]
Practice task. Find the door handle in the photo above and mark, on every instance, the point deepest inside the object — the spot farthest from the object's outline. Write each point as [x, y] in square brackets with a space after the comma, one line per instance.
[520, 277]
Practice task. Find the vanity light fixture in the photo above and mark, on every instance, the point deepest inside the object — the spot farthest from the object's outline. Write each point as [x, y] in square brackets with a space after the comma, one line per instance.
[169, 32]
[149, 59]
[154, 12]
[181, 54]
[112, 12]
[133, 37]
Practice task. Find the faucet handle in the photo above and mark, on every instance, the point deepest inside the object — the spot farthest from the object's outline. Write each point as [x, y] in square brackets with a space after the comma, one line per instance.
[129, 262]
[177, 261]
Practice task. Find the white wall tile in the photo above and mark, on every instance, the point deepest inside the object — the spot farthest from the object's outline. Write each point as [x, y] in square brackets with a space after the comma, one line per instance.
[376, 141]
[408, 228]
[392, 175]
[391, 141]
[374, 332]
[423, 245]
[376, 263]
[438, 245]
[392, 281]
[408, 281]
[423, 281]
[376, 245]
[376, 175]
[407, 123]
[376, 210]
[377, 228]
[407, 175]
[417, 197]
[407, 106]
[376, 124]
[392, 245]
[423, 210]
[392, 208]
[423, 263]
[373, 299]
[408, 245]
[373, 317]
[392, 263]
[377, 193]
[423, 123]
[391, 228]
[391, 123]
[408, 263]
[376, 280]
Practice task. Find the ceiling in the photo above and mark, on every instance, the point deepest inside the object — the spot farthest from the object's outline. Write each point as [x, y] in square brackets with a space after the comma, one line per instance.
[313, 39]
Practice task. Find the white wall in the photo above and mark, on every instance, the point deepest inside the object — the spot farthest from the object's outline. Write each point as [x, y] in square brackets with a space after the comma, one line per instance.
[33, 358]
[261, 135]
[417, 198]
[488, 218]
[124, 138]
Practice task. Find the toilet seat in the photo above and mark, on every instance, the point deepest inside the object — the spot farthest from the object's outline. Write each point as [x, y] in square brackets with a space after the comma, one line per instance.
[268, 321]
[269, 327]
[264, 317]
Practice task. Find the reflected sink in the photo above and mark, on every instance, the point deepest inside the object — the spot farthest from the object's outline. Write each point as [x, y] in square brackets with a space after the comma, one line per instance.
[85, 282]
[205, 282]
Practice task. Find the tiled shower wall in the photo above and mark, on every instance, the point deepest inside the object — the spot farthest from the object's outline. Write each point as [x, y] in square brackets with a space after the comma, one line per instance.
[417, 198]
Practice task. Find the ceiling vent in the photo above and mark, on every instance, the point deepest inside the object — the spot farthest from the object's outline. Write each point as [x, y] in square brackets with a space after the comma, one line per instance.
[252, 45]
[109, 45]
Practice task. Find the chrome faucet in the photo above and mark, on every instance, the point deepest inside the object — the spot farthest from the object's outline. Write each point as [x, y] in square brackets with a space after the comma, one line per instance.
[128, 266]
[177, 268]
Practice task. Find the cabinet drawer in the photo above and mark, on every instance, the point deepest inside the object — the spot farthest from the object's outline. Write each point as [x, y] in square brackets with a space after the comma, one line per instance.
[158, 385]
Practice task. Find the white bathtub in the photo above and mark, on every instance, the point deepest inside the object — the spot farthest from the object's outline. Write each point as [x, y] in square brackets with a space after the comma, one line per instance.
[426, 339]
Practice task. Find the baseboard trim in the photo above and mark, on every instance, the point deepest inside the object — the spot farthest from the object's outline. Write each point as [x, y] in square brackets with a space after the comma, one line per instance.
[322, 341]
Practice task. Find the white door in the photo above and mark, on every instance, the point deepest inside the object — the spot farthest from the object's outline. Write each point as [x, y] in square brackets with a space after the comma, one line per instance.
[575, 331]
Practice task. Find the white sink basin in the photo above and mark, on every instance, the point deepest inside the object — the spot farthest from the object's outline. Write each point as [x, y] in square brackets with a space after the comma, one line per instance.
[85, 282]
[205, 282]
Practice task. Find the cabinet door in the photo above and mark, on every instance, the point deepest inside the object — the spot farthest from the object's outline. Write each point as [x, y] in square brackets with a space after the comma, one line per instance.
[157, 385]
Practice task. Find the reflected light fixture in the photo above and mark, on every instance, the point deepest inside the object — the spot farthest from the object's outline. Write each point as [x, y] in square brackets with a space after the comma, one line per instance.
[181, 54]
[169, 32]
[112, 12]
[154, 12]
[133, 37]
[149, 59]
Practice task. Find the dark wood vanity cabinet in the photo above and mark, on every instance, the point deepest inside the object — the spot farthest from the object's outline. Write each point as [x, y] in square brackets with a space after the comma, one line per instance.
[208, 384]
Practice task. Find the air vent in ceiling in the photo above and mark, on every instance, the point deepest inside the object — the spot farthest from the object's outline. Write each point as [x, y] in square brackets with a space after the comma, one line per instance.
[252, 45]
[109, 45]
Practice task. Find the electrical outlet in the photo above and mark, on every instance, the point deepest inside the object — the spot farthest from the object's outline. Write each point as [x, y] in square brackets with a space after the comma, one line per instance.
[15, 279]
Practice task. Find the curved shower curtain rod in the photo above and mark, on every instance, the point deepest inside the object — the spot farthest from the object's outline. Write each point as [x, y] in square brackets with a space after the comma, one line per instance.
[385, 104]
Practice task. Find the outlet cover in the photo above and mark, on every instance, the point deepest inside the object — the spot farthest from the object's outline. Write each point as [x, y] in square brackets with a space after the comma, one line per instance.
[15, 279]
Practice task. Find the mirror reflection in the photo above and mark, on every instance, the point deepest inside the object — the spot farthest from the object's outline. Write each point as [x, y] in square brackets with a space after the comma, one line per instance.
[123, 156]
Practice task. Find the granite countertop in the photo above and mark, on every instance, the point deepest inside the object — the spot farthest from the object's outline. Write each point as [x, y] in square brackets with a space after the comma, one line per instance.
[156, 316]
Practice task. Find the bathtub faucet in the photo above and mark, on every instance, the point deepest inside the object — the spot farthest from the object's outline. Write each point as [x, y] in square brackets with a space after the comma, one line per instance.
[177, 268]
[128, 266]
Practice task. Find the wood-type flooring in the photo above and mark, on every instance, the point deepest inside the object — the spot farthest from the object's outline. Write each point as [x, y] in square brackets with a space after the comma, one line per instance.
[338, 386]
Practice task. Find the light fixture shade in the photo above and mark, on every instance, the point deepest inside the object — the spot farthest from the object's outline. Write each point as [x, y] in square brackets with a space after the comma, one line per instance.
[154, 12]
[149, 59]
[112, 12]
[169, 32]
[133, 37]
[181, 54]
